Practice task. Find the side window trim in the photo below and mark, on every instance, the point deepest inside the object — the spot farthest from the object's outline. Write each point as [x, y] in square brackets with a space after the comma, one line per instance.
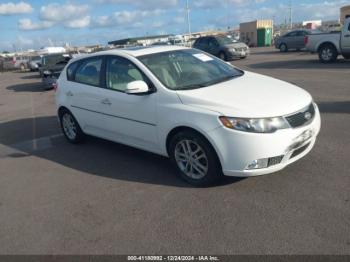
[81, 61]
[149, 82]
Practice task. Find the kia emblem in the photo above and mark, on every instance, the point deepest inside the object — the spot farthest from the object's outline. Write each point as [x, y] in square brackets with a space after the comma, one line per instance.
[307, 115]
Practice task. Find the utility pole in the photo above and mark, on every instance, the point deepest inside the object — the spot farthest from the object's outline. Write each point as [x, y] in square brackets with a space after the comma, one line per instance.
[188, 21]
[290, 14]
[227, 15]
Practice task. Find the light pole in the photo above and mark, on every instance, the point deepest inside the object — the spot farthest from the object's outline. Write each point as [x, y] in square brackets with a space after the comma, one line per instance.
[290, 14]
[188, 21]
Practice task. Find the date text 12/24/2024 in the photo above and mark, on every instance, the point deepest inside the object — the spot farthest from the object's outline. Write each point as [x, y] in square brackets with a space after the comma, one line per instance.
[173, 258]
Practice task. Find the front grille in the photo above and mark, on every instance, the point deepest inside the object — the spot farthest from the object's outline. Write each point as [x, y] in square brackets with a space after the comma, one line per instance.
[299, 150]
[275, 160]
[302, 118]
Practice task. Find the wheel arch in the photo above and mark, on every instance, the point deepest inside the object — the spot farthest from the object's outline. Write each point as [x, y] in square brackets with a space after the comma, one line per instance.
[184, 128]
[282, 43]
[324, 44]
[61, 109]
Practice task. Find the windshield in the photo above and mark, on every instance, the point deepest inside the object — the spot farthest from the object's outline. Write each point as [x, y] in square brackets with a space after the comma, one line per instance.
[188, 69]
[224, 40]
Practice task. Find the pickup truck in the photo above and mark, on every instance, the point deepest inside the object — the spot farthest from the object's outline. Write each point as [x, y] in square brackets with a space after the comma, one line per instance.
[330, 45]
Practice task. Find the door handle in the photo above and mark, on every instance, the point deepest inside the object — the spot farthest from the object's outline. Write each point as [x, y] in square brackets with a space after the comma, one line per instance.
[106, 101]
[346, 35]
[69, 93]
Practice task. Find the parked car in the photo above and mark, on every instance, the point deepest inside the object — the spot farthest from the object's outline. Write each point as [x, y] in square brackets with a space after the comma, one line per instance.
[209, 117]
[330, 46]
[222, 46]
[53, 71]
[34, 63]
[20, 62]
[293, 40]
[6, 64]
[50, 60]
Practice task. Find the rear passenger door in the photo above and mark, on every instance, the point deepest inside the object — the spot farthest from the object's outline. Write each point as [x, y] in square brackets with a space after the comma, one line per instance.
[85, 93]
[300, 39]
[291, 40]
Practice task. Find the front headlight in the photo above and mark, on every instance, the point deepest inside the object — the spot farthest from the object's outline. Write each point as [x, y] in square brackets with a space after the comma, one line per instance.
[255, 125]
[47, 72]
[233, 50]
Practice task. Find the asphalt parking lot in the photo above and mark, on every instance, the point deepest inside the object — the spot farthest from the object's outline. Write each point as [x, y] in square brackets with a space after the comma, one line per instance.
[106, 198]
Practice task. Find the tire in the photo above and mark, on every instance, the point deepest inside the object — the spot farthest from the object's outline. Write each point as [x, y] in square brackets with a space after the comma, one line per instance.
[70, 127]
[203, 171]
[283, 48]
[327, 53]
[347, 56]
[223, 56]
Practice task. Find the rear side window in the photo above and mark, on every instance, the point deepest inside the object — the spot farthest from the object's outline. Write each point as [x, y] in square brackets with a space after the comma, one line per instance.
[88, 71]
[291, 34]
[302, 33]
[70, 71]
[204, 41]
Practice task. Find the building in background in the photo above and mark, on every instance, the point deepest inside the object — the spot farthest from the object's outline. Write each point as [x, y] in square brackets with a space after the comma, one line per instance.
[312, 24]
[257, 33]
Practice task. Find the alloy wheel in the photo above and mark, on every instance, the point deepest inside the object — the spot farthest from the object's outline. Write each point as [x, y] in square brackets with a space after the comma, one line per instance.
[191, 159]
[327, 54]
[69, 126]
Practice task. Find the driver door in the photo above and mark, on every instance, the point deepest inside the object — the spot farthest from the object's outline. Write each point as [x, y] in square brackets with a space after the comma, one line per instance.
[345, 40]
[129, 119]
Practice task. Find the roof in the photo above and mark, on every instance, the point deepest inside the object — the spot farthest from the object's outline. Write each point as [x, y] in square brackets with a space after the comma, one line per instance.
[140, 51]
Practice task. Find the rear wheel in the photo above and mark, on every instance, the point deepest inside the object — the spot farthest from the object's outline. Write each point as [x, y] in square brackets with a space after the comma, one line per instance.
[327, 53]
[283, 48]
[347, 56]
[70, 127]
[195, 159]
[223, 56]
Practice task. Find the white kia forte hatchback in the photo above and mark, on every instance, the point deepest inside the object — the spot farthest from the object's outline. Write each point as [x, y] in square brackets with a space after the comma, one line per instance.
[209, 117]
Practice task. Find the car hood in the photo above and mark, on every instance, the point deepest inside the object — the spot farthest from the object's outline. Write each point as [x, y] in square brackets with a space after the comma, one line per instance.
[251, 96]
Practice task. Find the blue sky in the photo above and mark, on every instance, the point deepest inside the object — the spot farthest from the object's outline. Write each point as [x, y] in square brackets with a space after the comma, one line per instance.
[32, 24]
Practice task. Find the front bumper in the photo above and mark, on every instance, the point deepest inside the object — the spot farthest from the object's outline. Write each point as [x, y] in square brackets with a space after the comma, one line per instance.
[238, 54]
[237, 149]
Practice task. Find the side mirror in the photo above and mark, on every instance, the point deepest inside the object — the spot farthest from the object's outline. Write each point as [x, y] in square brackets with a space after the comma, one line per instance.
[136, 88]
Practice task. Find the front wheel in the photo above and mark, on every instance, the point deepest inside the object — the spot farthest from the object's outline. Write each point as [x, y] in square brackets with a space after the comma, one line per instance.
[195, 159]
[327, 54]
[70, 127]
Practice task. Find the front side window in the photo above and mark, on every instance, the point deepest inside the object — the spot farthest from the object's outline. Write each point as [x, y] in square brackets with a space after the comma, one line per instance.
[188, 69]
[120, 72]
[89, 71]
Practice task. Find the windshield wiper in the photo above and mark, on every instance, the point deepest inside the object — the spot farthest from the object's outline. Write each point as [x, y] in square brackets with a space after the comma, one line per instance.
[194, 86]
[223, 79]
